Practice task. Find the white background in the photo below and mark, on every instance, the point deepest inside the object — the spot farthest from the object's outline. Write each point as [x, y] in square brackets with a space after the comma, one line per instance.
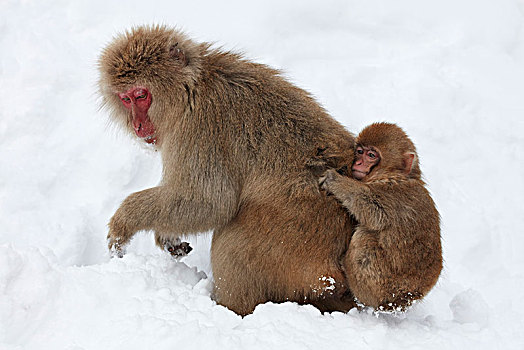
[451, 73]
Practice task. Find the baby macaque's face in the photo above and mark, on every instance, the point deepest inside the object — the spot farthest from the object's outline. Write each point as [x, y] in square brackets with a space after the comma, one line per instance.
[365, 159]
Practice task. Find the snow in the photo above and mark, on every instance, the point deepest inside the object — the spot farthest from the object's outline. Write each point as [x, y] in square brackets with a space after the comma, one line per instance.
[451, 73]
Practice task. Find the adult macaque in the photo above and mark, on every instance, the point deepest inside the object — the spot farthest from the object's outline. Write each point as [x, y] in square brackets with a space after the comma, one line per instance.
[395, 254]
[234, 138]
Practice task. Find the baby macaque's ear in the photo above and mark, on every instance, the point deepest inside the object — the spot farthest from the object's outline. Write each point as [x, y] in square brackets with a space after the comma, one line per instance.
[409, 160]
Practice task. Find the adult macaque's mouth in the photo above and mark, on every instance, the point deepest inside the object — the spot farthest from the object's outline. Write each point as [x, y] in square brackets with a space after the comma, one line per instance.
[150, 139]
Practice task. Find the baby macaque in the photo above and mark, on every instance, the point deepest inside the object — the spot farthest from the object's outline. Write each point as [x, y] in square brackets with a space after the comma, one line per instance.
[395, 254]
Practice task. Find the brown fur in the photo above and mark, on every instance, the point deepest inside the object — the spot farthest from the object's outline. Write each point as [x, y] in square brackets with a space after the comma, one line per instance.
[234, 137]
[395, 254]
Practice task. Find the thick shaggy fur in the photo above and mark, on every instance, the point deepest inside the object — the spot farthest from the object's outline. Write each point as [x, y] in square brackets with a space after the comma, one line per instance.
[235, 137]
[395, 254]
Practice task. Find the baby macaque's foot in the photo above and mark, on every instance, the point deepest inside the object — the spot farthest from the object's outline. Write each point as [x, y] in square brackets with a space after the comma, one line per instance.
[400, 302]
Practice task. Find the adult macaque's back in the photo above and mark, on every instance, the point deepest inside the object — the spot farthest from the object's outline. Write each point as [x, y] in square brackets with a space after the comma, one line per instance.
[234, 137]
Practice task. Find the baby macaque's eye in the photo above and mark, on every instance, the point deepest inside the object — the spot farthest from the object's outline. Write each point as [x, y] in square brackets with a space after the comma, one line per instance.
[372, 155]
[360, 151]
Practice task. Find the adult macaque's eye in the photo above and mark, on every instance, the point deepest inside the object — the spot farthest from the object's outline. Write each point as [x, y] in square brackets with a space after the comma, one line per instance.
[140, 94]
[126, 99]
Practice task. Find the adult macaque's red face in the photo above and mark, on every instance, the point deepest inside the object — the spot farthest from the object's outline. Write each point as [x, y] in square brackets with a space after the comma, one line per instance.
[365, 159]
[138, 100]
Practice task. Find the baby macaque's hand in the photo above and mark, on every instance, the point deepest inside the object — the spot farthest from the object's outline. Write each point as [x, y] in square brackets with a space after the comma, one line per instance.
[316, 166]
[329, 180]
[324, 160]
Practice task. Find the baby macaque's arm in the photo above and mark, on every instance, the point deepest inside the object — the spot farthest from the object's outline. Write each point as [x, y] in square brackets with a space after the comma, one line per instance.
[367, 207]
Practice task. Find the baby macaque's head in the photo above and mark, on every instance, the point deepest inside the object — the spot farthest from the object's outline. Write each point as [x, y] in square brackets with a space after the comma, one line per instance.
[384, 148]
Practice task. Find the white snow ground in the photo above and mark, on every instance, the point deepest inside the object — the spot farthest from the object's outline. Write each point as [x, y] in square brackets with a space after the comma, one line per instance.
[450, 72]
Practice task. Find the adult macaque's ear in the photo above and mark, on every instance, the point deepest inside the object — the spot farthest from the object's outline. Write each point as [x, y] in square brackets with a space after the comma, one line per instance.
[178, 54]
[409, 160]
